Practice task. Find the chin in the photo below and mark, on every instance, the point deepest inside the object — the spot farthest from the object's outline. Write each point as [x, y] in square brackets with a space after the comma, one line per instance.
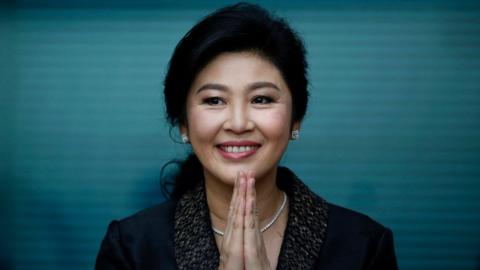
[229, 175]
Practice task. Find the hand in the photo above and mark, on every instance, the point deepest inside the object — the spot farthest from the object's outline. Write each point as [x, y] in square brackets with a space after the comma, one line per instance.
[242, 246]
[254, 250]
[231, 250]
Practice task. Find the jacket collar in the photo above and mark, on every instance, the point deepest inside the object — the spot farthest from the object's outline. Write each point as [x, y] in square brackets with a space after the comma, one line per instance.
[195, 246]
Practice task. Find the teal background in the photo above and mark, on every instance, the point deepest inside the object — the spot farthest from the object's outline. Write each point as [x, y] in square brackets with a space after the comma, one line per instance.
[392, 129]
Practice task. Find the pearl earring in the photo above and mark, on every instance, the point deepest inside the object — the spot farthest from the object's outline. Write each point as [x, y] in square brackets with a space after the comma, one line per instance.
[185, 138]
[295, 134]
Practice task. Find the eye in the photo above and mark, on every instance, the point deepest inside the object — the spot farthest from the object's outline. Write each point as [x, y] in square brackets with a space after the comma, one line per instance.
[213, 101]
[262, 100]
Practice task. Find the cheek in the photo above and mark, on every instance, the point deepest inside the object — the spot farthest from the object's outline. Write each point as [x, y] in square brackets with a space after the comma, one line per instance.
[202, 124]
[275, 123]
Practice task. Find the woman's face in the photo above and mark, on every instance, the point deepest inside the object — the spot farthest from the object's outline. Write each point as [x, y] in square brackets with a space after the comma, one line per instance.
[239, 111]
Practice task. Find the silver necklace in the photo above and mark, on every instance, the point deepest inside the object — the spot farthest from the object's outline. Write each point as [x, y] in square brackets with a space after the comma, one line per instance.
[269, 224]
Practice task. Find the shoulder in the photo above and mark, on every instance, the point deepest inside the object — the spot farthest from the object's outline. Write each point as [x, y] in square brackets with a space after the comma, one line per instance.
[146, 227]
[143, 240]
[346, 221]
[158, 215]
[349, 239]
[355, 240]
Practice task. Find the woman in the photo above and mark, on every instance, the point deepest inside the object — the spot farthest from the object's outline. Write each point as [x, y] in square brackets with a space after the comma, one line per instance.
[237, 90]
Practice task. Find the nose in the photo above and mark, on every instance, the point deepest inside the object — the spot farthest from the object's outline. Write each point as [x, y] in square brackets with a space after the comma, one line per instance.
[239, 119]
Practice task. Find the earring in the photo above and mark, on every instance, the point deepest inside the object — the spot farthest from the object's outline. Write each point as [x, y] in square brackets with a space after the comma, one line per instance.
[295, 134]
[185, 138]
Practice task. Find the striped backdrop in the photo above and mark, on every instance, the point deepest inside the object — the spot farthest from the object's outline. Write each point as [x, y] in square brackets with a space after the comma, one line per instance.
[393, 127]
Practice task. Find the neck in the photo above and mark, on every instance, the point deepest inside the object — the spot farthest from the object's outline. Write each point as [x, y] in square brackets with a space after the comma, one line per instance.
[219, 194]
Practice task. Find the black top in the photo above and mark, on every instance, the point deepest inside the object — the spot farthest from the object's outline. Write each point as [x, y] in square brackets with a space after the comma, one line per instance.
[178, 235]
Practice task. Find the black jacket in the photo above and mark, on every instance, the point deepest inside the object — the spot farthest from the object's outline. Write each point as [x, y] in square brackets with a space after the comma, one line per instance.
[178, 235]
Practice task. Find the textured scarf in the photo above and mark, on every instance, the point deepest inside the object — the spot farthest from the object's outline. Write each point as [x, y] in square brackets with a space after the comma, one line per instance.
[195, 246]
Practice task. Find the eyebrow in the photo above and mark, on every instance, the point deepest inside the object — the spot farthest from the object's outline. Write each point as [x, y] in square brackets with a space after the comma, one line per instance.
[257, 85]
[212, 86]
[252, 86]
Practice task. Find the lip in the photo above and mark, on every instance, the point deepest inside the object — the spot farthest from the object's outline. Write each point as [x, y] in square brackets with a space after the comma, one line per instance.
[238, 155]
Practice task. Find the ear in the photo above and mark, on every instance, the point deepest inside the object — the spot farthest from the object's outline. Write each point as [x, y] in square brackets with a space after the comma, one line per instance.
[296, 125]
[183, 129]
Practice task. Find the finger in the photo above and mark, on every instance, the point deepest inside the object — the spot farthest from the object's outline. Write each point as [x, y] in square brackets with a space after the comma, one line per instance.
[232, 246]
[254, 248]
[251, 197]
[232, 206]
[252, 233]
[256, 216]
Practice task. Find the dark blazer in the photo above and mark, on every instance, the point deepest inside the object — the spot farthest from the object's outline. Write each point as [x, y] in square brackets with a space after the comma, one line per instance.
[178, 235]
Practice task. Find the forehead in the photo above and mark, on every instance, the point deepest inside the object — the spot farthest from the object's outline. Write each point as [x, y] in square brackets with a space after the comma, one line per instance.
[239, 68]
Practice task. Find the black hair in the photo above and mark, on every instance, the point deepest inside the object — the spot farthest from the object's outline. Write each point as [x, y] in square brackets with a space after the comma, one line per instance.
[237, 28]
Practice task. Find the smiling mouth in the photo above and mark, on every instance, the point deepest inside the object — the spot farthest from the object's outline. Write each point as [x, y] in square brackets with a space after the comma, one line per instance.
[235, 151]
[238, 149]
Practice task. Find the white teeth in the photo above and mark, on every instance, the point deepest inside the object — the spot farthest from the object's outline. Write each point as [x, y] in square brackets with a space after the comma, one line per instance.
[238, 149]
